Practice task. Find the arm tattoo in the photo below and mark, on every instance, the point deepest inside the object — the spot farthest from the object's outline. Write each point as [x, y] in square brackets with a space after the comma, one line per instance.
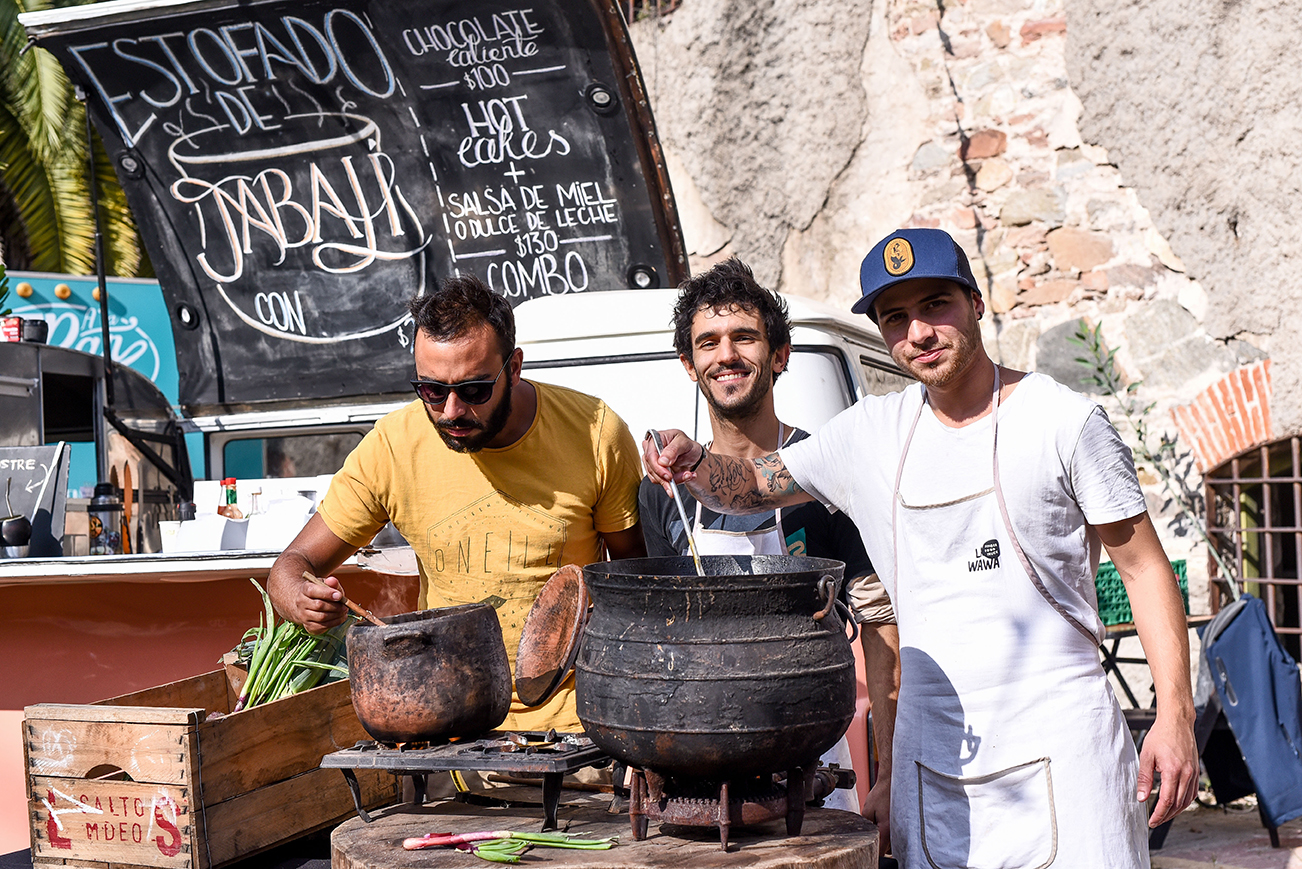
[740, 486]
[776, 478]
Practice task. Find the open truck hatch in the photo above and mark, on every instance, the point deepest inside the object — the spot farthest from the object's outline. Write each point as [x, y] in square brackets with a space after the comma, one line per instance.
[298, 170]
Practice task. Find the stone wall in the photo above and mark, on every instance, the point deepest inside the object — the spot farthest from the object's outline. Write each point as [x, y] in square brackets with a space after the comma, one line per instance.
[1062, 143]
[1200, 112]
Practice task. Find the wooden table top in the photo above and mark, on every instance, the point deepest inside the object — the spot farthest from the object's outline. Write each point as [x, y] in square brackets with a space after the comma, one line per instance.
[829, 839]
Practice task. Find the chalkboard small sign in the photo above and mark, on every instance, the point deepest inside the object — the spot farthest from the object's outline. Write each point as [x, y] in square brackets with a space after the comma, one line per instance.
[37, 483]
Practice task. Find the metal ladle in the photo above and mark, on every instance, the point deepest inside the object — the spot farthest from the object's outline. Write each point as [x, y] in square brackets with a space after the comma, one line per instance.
[682, 514]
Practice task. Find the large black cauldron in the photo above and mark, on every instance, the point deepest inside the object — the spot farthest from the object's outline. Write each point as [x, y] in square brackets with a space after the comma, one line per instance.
[744, 671]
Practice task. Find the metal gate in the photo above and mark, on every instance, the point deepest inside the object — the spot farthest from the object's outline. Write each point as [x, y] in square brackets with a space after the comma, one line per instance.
[1254, 517]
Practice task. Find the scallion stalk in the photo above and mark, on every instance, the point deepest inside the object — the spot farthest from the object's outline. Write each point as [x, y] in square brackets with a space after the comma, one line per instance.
[505, 846]
[285, 659]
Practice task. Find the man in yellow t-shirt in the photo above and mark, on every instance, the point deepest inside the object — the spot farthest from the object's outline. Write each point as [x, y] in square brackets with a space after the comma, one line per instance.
[495, 481]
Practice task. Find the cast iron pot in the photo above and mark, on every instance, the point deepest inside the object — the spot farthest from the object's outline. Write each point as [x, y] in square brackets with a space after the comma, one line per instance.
[430, 676]
[744, 671]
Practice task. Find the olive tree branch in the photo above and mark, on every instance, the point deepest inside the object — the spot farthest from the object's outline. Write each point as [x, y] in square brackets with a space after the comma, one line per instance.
[1165, 460]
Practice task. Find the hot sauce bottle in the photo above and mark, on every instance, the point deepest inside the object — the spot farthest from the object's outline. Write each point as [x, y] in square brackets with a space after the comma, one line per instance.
[227, 508]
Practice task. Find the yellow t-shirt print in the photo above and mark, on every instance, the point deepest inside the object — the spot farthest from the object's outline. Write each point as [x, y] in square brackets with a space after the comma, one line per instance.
[481, 553]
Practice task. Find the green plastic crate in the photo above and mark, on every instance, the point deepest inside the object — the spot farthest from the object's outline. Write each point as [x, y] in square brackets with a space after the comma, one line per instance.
[1114, 605]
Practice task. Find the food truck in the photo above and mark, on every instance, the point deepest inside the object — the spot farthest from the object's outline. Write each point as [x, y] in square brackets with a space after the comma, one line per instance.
[297, 172]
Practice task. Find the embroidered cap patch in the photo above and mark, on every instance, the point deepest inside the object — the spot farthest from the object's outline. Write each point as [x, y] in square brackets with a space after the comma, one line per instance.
[898, 257]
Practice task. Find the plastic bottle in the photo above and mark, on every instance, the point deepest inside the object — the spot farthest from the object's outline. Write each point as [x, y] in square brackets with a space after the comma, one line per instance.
[106, 520]
[228, 506]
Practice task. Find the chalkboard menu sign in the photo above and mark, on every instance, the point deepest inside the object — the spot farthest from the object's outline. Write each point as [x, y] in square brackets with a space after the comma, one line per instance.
[299, 169]
[34, 484]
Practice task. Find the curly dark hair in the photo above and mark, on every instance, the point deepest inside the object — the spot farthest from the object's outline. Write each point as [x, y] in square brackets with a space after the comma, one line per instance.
[460, 304]
[730, 284]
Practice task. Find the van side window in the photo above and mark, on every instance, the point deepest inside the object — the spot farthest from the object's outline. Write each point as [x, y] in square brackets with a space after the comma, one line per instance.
[815, 387]
[305, 455]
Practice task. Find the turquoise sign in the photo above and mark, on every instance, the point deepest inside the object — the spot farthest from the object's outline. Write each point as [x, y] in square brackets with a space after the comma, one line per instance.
[140, 332]
[140, 336]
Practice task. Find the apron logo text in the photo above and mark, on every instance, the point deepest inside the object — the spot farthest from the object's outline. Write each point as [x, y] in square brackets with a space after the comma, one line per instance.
[986, 557]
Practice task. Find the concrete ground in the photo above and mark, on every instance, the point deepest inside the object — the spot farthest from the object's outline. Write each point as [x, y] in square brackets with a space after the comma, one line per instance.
[1228, 838]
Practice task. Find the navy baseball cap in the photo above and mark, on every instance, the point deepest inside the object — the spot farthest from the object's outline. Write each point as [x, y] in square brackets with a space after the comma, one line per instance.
[909, 254]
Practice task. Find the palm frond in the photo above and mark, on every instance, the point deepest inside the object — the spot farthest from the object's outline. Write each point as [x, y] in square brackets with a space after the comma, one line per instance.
[54, 228]
[35, 85]
[46, 221]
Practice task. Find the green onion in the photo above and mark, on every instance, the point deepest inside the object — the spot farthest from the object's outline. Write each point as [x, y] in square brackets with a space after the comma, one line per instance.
[284, 659]
[506, 846]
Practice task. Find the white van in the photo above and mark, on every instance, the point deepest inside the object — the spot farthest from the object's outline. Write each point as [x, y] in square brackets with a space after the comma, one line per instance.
[619, 346]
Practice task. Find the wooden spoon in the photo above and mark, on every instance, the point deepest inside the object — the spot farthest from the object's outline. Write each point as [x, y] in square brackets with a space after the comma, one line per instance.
[364, 613]
[129, 495]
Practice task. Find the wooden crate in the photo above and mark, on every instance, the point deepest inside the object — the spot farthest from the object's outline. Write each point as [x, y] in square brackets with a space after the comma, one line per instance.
[150, 779]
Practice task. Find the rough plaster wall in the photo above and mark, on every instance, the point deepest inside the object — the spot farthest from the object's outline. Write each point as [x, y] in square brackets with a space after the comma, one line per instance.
[798, 134]
[873, 195]
[1200, 111]
[762, 102]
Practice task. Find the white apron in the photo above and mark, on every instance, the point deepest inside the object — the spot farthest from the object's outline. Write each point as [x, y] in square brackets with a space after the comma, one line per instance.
[763, 541]
[1010, 750]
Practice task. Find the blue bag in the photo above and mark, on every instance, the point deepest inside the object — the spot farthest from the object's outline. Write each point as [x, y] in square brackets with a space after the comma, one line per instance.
[1260, 691]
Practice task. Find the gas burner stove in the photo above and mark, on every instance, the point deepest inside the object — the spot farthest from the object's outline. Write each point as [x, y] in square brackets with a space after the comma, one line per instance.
[549, 754]
[725, 804]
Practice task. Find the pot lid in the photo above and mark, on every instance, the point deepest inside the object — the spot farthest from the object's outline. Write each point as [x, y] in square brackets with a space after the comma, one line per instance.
[297, 171]
[394, 561]
[549, 642]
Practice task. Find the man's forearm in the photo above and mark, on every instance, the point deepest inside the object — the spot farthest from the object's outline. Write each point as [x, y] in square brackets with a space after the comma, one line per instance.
[1169, 752]
[1164, 634]
[1159, 612]
[881, 653]
[316, 549]
[283, 582]
[726, 484]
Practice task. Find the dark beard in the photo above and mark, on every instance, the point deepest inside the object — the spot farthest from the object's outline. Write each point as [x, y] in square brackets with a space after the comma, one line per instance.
[487, 430]
[763, 384]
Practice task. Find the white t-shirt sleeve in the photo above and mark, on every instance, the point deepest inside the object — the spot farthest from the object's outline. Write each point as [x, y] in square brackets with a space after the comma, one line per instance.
[814, 461]
[1103, 475]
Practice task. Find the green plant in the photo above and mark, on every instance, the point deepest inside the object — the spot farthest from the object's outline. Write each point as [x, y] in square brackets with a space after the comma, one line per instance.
[46, 222]
[284, 659]
[4, 291]
[1172, 467]
[505, 846]
[640, 10]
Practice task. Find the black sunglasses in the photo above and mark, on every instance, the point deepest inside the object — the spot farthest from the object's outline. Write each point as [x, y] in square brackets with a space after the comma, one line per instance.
[469, 391]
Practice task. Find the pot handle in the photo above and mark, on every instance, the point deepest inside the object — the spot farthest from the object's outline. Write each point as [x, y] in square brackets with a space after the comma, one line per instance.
[849, 618]
[827, 594]
[394, 637]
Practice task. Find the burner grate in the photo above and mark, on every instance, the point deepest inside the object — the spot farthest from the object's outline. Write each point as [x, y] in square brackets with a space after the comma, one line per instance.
[551, 755]
[726, 804]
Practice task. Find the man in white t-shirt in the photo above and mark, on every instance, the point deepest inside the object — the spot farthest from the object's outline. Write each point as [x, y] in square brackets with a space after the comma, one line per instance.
[982, 495]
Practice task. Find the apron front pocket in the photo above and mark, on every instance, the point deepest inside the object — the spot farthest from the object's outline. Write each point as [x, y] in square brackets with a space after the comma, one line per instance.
[1002, 820]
